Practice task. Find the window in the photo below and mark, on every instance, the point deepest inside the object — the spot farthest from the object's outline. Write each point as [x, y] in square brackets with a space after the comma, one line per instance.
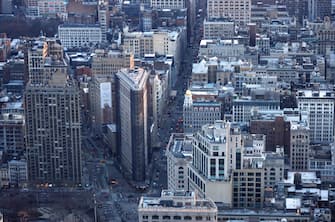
[155, 217]
[165, 217]
[198, 218]
[187, 218]
[177, 217]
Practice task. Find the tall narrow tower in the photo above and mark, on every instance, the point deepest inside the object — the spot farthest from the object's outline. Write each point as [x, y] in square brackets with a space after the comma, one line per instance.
[132, 122]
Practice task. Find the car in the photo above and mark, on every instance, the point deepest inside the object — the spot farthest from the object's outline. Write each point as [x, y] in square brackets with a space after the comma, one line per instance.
[113, 181]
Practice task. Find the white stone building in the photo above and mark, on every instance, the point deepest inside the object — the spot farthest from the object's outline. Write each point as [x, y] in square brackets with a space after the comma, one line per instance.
[216, 152]
[320, 105]
[79, 35]
[176, 206]
[238, 10]
[179, 156]
[222, 49]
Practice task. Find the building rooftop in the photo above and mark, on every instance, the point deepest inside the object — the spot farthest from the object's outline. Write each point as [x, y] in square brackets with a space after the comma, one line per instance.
[306, 178]
[315, 94]
[179, 200]
[200, 68]
[136, 78]
[75, 25]
[180, 145]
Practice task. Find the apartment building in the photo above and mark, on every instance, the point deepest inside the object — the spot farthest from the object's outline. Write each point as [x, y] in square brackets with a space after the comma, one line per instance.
[299, 146]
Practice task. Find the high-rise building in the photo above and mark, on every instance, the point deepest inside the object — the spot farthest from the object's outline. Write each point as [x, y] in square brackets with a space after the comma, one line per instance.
[326, 38]
[52, 116]
[319, 9]
[105, 64]
[320, 105]
[6, 7]
[132, 122]
[238, 10]
[102, 101]
[217, 150]
[297, 8]
[179, 157]
[299, 146]
[103, 17]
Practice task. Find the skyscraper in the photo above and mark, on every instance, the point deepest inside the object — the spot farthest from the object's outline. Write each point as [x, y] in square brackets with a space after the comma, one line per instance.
[132, 122]
[53, 136]
[103, 17]
[319, 9]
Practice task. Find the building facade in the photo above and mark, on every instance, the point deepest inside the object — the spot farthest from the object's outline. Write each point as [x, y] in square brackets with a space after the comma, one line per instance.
[197, 113]
[299, 147]
[320, 105]
[238, 10]
[72, 36]
[12, 134]
[179, 156]
[168, 4]
[53, 129]
[18, 172]
[218, 29]
[107, 62]
[217, 151]
[133, 121]
[176, 206]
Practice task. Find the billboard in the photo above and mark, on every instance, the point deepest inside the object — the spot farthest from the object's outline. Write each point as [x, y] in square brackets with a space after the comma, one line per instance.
[105, 94]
